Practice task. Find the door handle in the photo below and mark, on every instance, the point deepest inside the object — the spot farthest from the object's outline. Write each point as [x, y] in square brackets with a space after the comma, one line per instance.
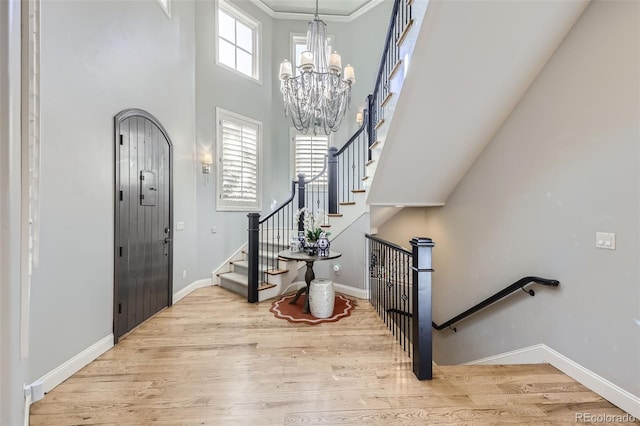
[167, 240]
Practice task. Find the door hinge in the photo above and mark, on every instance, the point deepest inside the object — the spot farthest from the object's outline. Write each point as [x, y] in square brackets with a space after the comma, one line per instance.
[141, 176]
[121, 196]
[121, 250]
[142, 196]
[121, 139]
[119, 308]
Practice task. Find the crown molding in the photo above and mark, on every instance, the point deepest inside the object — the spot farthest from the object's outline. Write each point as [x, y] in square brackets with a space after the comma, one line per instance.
[295, 16]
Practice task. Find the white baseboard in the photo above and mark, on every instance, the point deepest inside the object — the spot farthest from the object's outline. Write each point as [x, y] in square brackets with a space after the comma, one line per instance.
[75, 364]
[182, 293]
[340, 288]
[351, 291]
[27, 404]
[541, 353]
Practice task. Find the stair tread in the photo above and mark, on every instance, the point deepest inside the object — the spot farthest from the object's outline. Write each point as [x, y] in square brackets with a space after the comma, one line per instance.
[266, 253]
[403, 36]
[395, 69]
[244, 280]
[386, 99]
[370, 161]
[334, 214]
[235, 277]
[358, 191]
[375, 144]
[276, 271]
[348, 203]
[379, 124]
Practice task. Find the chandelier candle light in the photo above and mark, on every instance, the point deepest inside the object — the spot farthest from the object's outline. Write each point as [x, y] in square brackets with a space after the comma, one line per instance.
[318, 97]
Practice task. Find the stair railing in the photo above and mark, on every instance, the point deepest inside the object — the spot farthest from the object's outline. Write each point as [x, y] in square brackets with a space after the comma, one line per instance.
[400, 291]
[347, 165]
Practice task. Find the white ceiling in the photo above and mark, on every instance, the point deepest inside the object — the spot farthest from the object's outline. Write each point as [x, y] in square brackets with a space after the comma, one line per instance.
[305, 9]
[472, 63]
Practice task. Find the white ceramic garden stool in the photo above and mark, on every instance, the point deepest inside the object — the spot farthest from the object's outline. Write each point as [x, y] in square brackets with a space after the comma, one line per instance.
[322, 297]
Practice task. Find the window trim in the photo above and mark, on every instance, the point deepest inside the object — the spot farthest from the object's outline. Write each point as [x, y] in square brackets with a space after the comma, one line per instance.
[221, 205]
[250, 22]
[292, 153]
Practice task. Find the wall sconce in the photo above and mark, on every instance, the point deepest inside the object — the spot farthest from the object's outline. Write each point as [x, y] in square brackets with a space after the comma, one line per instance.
[206, 164]
[359, 117]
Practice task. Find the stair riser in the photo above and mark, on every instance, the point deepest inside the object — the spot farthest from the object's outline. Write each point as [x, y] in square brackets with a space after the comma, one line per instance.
[233, 286]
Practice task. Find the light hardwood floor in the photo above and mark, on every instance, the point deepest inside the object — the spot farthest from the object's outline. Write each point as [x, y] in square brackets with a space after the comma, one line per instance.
[215, 359]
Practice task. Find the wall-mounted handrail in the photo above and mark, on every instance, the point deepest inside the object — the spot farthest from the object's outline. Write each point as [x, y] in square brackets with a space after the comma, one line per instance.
[518, 285]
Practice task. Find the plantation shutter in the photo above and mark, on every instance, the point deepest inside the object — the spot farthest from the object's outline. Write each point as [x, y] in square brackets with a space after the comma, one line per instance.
[310, 153]
[238, 177]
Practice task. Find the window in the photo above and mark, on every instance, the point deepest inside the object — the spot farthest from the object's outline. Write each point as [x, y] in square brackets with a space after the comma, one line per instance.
[299, 45]
[309, 152]
[237, 41]
[238, 171]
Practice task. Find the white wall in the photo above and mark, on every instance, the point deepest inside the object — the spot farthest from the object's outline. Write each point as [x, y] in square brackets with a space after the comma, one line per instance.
[99, 58]
[563, 166]
[12, 368]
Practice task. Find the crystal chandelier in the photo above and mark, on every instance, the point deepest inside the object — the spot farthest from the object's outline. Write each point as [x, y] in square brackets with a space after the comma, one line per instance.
[319, 95]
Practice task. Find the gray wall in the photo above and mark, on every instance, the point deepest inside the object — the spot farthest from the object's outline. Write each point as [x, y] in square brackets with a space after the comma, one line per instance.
[352, 244]
[13, 370]
[562, 167]
[99, 58]
[220, 87]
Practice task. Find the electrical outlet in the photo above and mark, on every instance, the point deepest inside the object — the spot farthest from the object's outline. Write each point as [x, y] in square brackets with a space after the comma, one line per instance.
[184, 274]
[605, 240]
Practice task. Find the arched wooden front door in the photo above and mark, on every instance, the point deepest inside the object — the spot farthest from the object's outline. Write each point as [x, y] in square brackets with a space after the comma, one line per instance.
[143, 217]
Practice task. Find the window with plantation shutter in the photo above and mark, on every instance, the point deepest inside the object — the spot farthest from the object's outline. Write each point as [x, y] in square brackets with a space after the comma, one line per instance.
[309, 152]
[238, 168]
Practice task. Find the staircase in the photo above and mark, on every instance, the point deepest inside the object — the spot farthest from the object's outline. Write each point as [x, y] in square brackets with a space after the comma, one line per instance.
[276, 275]
[349, 171]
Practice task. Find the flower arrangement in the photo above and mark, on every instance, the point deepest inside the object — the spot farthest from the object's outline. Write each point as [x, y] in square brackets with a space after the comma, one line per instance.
[312, 223]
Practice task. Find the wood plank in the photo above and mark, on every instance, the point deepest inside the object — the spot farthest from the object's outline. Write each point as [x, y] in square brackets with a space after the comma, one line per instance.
[212, 358]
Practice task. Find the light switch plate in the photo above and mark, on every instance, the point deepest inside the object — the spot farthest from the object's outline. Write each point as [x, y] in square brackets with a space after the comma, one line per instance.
[179, 226]
[606, 240]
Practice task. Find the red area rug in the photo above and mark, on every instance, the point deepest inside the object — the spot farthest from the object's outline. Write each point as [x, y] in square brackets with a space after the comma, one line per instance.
[293, 313]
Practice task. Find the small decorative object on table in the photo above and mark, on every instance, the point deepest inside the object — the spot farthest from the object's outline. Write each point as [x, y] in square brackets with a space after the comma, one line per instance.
[323, 245]
[312, 224]
[294, 246]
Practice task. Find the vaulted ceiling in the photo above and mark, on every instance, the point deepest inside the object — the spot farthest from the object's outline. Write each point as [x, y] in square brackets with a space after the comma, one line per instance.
[304, 9]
